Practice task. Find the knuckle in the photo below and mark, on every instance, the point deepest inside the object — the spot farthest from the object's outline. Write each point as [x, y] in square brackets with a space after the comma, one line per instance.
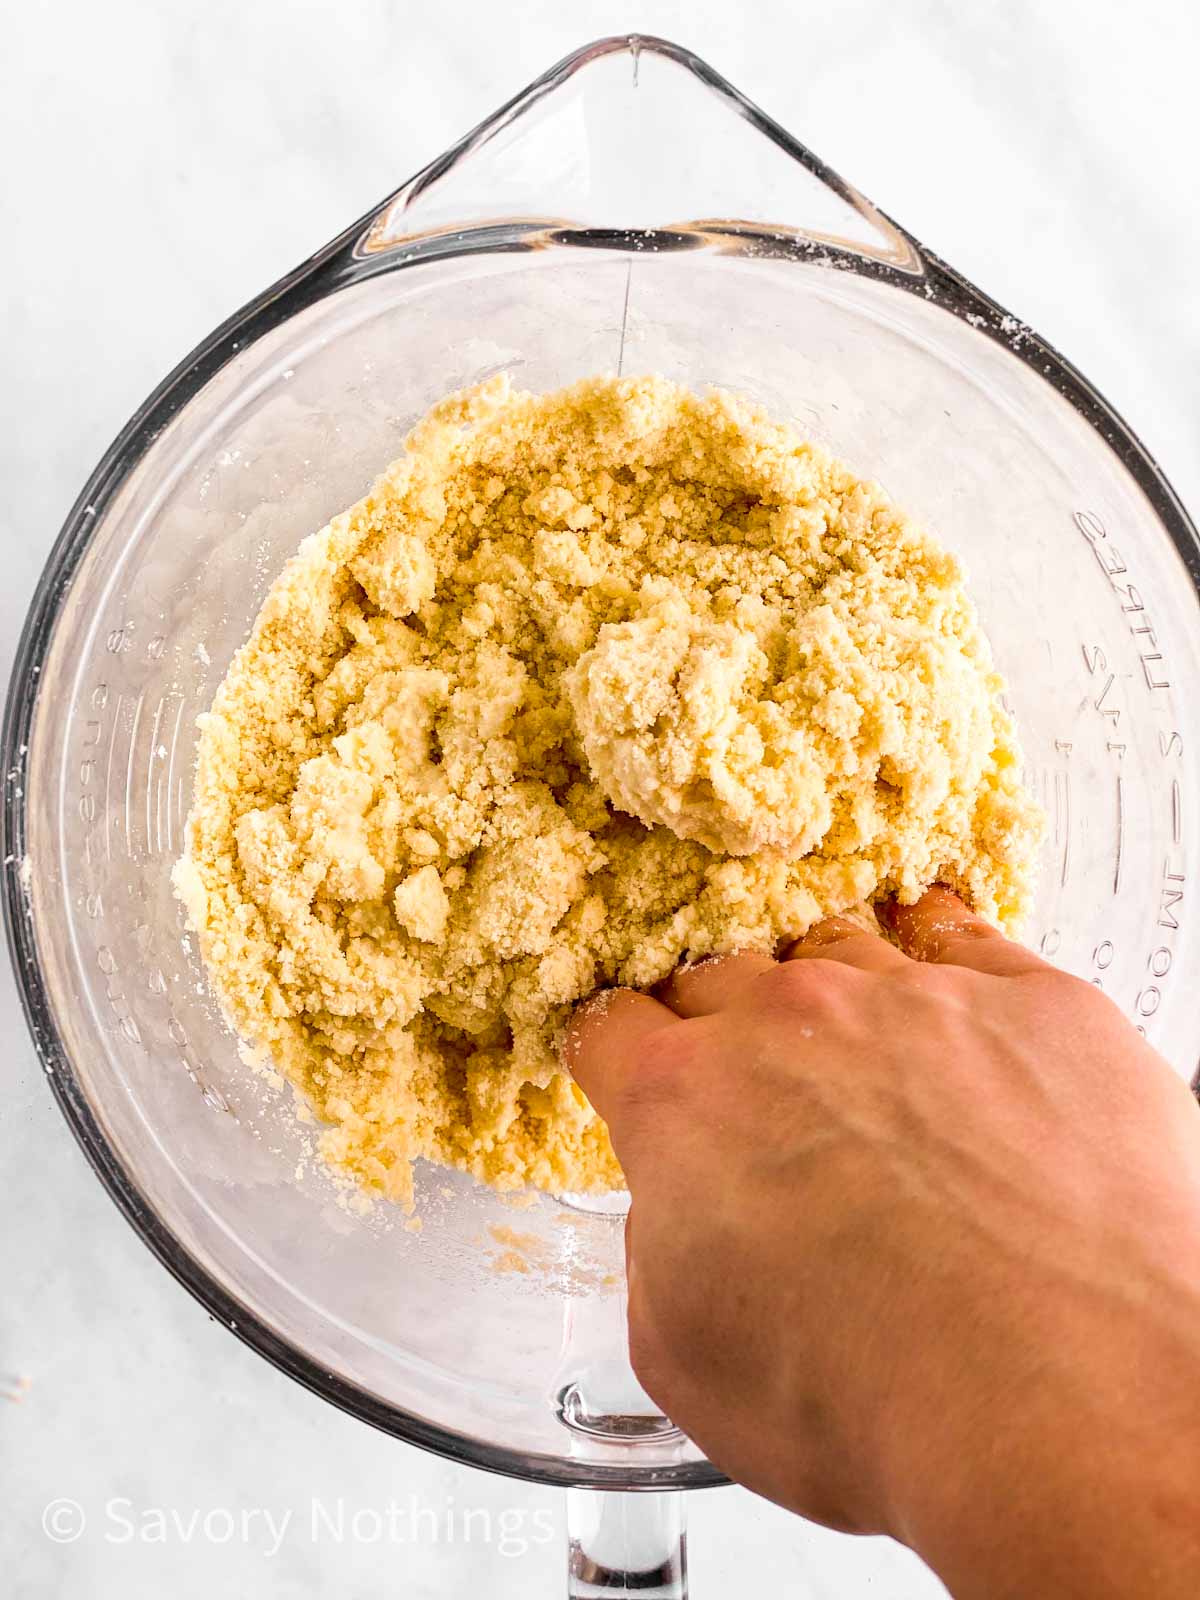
[1039, 975]
[793, 980]
[832, 930]
[968, 935]
[1065, 989]
[804, 983]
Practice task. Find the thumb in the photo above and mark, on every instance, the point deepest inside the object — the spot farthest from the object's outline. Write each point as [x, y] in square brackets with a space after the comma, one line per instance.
[603, 1044]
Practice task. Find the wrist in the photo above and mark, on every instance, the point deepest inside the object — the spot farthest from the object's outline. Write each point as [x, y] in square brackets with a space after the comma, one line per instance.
[1078, 1480]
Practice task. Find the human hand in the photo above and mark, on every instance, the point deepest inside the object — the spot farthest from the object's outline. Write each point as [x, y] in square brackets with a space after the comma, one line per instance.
[915, 1248]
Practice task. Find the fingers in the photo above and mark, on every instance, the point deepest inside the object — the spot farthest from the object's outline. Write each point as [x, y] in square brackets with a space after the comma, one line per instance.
[713, 985]
[604, 1040]
[940, 928]
[840, 939]
[710, 986]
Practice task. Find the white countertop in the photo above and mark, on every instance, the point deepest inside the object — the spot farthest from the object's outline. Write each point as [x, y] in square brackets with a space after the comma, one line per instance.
[164, 162]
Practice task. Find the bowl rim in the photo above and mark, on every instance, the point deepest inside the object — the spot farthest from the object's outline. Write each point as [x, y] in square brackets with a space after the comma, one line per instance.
[337, 265]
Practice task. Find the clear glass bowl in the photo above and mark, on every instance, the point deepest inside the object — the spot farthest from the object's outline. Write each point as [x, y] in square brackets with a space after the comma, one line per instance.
[629, 211]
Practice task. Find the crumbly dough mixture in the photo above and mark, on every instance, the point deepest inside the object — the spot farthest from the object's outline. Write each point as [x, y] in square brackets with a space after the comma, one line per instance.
[589, 684]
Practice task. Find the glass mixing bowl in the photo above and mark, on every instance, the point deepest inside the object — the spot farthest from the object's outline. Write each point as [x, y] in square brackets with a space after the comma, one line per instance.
[631, 212]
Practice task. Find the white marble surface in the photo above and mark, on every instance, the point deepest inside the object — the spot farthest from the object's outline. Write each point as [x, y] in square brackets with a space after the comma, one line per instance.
[162, 164]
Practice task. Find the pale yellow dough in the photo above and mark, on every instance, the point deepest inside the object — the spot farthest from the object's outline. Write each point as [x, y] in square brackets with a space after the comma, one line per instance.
[589, 684]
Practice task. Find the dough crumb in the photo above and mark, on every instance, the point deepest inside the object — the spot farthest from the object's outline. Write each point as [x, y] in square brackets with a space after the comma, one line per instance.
[589, 684]
[421, 905]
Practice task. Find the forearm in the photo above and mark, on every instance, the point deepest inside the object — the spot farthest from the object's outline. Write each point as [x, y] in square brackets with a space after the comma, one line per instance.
[1086, 1490]
[1073, 1535]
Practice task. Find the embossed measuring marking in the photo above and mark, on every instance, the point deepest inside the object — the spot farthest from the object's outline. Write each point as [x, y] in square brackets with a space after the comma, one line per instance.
[1113, 565]
[174, 797]
[154, 792]
[109, 820]
[114, 993]
[1170, 897]
[1117, 793]
[143, 778]
[1106, 705]
[1170, 745]
[1104, 702]
[130, 776]
[160, 792]
[1062, 820]
[133, 733]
